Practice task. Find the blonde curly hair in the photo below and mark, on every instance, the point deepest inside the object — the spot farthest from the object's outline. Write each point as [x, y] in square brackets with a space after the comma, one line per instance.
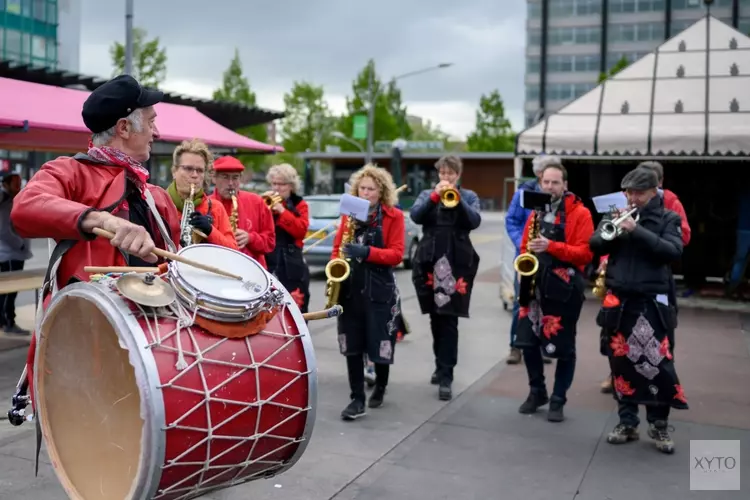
[287, 173]
[383, 181]
[196, 147]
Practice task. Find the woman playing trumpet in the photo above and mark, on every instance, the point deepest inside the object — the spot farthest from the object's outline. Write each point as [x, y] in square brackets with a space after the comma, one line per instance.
[291, 221]
[369, 295]
[446, 264]
[209, 220]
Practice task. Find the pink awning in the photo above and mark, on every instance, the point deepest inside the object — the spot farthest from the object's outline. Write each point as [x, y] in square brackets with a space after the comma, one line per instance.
[54, 120]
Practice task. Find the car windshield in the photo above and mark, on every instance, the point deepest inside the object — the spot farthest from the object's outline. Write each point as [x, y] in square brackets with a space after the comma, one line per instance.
[324, 209]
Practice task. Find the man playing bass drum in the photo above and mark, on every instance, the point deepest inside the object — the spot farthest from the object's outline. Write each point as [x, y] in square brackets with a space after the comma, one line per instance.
[637, 318]
[369, 295]
[446, 263]
[548, 316]
[291, 221]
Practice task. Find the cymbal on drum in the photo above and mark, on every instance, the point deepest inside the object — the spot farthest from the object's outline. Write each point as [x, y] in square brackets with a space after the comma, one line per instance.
[146, 289]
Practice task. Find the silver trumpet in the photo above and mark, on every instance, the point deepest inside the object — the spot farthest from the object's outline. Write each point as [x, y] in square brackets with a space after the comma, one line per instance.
[611, 229]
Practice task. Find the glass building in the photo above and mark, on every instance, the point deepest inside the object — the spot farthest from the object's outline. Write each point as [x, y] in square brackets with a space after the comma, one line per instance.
[571, 42]
[28, 32]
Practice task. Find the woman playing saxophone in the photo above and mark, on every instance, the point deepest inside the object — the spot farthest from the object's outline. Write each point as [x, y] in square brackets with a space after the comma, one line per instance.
[369, 295]
[200, 216]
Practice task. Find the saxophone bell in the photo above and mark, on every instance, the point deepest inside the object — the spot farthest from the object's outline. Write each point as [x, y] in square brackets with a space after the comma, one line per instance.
[338, 269]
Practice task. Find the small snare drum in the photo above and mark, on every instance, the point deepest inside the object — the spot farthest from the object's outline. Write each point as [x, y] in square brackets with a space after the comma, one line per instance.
[220, 298]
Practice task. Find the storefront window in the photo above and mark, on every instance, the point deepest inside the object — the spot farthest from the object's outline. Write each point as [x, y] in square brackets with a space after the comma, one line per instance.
[13, 6]
[13, 42]
[40, 10]
[52, 12]
[38, 47]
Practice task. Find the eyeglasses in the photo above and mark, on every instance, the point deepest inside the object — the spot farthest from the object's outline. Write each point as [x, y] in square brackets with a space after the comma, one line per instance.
[227, 177]
[192, 170]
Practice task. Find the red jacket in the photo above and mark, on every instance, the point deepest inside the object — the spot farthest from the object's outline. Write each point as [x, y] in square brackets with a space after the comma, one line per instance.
[673, 203]
[256, 219]
[295, 225]
[61, 193]
[579, 227]
[393, 238]
[221, 234]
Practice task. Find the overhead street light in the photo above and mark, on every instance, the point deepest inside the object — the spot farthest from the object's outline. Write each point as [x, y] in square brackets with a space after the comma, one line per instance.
[373, 97]
[340, 136]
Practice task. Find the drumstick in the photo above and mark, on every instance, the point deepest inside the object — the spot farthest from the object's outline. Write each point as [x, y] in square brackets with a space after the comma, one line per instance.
[120, 269]
[331, 312]
[173, 256]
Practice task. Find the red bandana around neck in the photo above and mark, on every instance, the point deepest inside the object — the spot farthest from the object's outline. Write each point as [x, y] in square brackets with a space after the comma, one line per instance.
[133, 169]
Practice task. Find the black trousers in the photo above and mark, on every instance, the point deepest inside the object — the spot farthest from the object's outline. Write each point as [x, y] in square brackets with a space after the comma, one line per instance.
[628, 413]
[564, 371]
[355, 365]
[8, 300]
[444, 345]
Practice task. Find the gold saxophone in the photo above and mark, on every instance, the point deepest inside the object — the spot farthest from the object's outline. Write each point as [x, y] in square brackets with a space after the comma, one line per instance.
[338, 268]
[527, 265]
[234, 215]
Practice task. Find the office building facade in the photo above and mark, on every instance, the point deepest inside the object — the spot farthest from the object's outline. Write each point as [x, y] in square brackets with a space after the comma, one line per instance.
[570, 43]
[41, 33]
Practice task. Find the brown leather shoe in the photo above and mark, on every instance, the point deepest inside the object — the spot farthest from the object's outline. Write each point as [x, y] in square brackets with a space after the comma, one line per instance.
[514, 357]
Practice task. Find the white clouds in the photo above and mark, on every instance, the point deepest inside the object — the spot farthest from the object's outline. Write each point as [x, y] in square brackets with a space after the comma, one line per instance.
[327, 42]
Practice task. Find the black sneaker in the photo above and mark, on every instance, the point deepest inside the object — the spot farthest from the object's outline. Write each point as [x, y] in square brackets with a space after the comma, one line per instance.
[16, 330]
[354, 410]
[659, 432]
[445, 393]
[376, 398]
[622, 434]
[434, 378]
[535, 401]
[555, 412]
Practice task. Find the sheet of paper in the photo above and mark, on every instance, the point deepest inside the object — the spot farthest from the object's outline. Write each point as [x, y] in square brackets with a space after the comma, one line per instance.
[605, 202]
[354, 206]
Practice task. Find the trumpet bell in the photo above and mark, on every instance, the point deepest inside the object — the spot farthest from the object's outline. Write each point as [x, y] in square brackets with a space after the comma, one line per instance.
[450, 198]
[526, 264]
[271, 199]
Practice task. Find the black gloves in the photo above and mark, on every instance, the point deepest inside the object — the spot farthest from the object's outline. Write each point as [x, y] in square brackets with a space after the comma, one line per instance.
[356, 251]
[203, 223]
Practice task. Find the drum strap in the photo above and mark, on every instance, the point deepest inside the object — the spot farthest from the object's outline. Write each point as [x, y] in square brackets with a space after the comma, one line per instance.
[160, 223]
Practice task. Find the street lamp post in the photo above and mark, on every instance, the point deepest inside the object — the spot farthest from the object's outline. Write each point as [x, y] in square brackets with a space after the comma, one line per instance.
[340, 136]
[373, 97]
[129, 37]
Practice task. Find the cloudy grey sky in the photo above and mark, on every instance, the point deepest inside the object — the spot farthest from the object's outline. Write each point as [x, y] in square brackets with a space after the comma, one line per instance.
[327, 42]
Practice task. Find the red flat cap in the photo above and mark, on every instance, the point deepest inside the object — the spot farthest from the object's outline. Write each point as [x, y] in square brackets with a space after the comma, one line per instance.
[228, 164]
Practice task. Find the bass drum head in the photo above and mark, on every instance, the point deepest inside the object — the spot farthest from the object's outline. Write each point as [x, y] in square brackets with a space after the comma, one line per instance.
[88, 398]
[219, 287]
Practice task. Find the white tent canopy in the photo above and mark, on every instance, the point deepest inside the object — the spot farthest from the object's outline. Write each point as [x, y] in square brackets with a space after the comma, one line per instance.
[690, 97]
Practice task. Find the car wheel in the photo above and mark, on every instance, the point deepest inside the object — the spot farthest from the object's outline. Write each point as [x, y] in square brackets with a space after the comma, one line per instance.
[411, 254]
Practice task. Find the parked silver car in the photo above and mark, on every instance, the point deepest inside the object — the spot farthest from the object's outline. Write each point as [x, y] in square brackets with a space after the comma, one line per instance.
[324, 209]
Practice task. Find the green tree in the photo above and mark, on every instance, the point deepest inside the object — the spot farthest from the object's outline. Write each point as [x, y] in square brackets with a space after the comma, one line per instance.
[390, 115]
[493, 131]
[149, 59]
[619, 66]
[235, 88]
[308, 122]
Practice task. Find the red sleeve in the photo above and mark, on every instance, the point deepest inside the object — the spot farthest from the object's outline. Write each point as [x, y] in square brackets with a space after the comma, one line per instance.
[221, 234]
[295, 225]
[262, 240]
[393, 234]
[525, 234]
[680, 210]
[44, 208]
[339, 236]
[578, 232]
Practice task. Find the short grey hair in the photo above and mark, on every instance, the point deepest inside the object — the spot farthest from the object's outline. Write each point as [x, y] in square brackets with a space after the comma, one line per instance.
[287, 173]
[103, 138]
[541, 162]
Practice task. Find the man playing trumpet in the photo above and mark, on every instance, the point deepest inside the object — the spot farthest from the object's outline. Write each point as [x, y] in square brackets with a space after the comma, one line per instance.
[291, 220]
[560, 243]
[637, 318]
[446, 264]
[208, 221]
[255, 232]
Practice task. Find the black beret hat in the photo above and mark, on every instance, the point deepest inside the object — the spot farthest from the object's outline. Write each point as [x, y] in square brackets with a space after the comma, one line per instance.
[640, 179]
[114, 100]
